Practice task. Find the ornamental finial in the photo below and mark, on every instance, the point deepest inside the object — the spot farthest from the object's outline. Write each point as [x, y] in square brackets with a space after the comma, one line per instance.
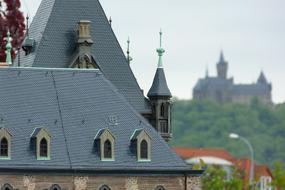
[160, 51]
[129, 58]
[8, 48]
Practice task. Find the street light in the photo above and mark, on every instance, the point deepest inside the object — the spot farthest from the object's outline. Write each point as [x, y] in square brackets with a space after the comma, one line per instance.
[251, 172]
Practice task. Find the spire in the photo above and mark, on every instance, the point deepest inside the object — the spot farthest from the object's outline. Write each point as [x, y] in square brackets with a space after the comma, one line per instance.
[262, 79]
[207, 71]
[159, 86]
[160, 51]
[8, 48]
[222, 59]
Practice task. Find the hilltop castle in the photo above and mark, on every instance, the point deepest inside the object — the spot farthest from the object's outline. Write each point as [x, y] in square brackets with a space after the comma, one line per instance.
[223, 90]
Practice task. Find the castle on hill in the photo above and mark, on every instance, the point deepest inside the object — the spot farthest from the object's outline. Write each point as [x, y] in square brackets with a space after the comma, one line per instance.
[222, 89]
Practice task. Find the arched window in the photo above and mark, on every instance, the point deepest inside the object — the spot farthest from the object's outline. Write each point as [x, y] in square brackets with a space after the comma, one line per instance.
[7, 187]
[144, 150]
[162, 110]
[4, 146]
[104, 187]
[107, 149]
[55, 187]
[159, 188]
[43, 148]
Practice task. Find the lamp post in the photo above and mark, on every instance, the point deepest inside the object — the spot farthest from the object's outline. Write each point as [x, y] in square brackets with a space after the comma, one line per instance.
[251, 172]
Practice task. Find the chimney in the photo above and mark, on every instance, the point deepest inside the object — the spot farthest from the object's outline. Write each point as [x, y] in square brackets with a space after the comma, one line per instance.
[84, 34]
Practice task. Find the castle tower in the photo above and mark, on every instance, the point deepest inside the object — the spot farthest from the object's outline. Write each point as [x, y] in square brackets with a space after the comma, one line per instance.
[160, 95]
[222, 67]
[262, 79]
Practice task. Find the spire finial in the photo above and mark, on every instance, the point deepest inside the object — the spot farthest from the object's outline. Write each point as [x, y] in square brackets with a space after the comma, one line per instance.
[129, 59]
[207, 71]
[27, 19]
[160, 51]
[222, 59]
[8, 48]
[110, 21]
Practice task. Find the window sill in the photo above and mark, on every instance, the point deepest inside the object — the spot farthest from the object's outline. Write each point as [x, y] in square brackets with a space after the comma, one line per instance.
[43, 158]
[5, 158]
[108, 160]
[144, 160]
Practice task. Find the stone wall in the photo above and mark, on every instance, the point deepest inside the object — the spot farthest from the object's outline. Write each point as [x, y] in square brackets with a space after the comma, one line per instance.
[41, 182]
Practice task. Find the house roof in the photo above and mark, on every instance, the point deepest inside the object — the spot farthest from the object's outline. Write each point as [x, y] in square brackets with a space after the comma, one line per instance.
[54, 31]
[186, 153]
[73, 105]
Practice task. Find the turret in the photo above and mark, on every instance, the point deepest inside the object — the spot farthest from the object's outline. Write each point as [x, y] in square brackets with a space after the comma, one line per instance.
[222, 67]
[160, 95]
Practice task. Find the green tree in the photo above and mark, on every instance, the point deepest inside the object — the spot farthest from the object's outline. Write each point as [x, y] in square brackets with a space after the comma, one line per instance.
[279, 175]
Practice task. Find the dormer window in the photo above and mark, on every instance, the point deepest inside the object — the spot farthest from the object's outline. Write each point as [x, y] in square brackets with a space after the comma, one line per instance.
[5, 144]
[142, 142]
[42, 140]
[106, 143]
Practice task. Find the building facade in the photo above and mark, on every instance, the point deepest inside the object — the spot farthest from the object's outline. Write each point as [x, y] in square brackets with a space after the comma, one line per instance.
[222, 89]
[72, 115]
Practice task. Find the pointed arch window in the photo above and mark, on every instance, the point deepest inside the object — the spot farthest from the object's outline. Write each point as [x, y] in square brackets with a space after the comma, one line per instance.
[162, 110]
[107, 149]
[55, 187]
[159, 188]
[144, 150]
[7, 187]
[4, 146]
[104, 187]
[43, 148]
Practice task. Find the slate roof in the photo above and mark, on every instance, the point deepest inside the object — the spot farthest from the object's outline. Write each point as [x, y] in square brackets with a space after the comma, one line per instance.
[54, 30]
[211, 83]
[159, 86]
[251, 89]
[73, 105]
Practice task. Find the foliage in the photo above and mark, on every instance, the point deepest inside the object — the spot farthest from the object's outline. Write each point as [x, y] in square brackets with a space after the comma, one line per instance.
[279, 175]
[215, 178]
[11, 19]
[208, 124]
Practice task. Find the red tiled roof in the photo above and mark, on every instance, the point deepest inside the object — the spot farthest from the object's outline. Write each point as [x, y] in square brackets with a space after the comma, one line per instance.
[198, 152]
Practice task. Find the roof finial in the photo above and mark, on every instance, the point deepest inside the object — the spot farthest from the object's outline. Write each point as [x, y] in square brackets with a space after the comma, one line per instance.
[160, 51]
[110, 21]
[8, 48]
[207, 71]
[27, 19]
[129, 58]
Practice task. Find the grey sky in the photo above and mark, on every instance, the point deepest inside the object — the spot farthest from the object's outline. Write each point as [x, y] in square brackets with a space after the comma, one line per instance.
[251, 33]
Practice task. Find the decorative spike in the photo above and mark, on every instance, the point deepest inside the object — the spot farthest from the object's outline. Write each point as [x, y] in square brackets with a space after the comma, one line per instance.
[8, 48]
[27, 19]
[160, 51]
[207, 71]
[110, 21]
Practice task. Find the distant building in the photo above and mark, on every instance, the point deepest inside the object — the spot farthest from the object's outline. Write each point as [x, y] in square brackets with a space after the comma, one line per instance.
[223, 90]
[222, 158]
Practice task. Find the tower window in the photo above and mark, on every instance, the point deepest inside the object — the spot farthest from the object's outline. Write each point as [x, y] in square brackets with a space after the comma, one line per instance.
[159, 188]
[107, 150]
[144, 150]
[4, 147]
[162, 110]
[43, 148]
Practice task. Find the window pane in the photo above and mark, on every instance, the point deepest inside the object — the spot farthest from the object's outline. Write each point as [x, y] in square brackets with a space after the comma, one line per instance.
[4, 147]
[107, 149]
[144, 150]
[43, 148]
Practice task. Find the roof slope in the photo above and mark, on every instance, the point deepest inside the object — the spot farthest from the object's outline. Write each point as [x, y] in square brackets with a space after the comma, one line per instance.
[73, 105]
[54, 30]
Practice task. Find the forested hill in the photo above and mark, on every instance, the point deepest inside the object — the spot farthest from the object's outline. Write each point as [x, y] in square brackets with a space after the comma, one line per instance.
[208, 124]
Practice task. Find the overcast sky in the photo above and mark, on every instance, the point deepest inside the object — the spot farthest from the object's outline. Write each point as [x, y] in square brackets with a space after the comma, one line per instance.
[250, 32]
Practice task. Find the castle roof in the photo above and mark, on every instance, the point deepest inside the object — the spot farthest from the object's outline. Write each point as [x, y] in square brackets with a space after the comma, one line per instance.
[73, 106]
[262, 79]
[54, 30]
[159, 86]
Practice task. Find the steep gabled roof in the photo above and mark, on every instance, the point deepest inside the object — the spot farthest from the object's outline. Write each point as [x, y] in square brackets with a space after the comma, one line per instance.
[73, 105]
[159, 86]
[54, 31]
